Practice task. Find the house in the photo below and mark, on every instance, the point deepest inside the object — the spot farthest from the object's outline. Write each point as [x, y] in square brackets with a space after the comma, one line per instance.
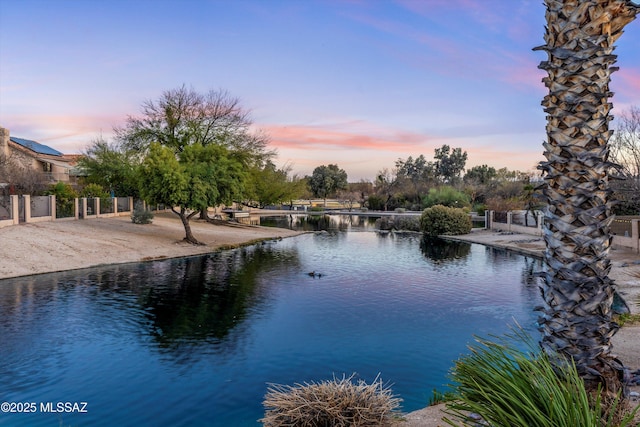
[48, 165]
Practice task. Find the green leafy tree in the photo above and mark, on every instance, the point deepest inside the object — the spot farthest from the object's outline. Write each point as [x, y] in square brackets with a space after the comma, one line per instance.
[183, 117]
[327, 180]
[446, 196]
[94, 191]
[270, 185]
[197, 178]
[449, 163]
[111, 166]
[415, 176]
[480, 175]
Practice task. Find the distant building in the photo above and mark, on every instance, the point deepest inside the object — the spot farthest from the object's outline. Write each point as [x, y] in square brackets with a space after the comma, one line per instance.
[49, 165]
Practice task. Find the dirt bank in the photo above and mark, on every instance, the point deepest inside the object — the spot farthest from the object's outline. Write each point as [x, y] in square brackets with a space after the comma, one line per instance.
[66, 245]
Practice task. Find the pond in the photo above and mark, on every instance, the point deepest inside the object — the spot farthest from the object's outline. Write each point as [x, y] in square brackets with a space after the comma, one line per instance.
[196, 341]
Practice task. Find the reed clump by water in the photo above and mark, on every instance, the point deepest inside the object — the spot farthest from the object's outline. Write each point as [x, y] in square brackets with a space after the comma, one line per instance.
[337, 402]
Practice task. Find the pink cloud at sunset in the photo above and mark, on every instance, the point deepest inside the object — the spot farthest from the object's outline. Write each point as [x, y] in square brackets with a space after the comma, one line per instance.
[626, 84]
[69, 134]
[317, 137]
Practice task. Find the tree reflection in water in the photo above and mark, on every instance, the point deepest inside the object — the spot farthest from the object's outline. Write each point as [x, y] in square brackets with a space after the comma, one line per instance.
[201, 299]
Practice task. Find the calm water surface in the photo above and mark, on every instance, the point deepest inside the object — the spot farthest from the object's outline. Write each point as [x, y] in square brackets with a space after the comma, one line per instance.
[195, 341]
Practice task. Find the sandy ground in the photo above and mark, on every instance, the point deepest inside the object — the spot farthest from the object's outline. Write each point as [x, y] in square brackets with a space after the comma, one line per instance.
[65, 245]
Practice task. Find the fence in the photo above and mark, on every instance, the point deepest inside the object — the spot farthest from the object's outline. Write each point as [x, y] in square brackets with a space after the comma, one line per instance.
[526, 222]
[625, 229]
[26, 209]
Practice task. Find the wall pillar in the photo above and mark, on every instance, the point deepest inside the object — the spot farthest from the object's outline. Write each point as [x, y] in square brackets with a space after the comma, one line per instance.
[15, 209]
[27, 208]
[52, 207]
[635, 234]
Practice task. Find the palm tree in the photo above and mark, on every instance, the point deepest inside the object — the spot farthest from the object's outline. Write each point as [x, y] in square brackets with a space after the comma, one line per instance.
[577, 320]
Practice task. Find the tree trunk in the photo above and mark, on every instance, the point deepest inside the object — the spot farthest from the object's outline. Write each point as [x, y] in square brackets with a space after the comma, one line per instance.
[184, 217]
[578, 293]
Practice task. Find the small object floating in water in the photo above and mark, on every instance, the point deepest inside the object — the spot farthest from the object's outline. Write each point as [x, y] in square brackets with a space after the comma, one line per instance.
[314, 274]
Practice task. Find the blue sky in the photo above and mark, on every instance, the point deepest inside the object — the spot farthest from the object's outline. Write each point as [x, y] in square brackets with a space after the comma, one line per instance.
[359, 83]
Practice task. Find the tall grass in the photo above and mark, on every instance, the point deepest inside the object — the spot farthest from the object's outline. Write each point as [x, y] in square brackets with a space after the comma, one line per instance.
[509, 383]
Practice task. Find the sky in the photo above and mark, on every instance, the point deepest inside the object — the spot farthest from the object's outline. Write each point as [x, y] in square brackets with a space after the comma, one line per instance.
[357, 83]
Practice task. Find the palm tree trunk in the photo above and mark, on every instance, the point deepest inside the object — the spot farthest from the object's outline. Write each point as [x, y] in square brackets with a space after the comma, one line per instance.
[578, 293]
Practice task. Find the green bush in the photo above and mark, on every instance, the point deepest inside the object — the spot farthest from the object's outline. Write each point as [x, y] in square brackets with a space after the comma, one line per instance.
[94, 191]
[339, 402]
[407, 223]
[400, 223]
[442, 220]
[65, 199]
[384, 223]
[513, 387]
[140, 215]
[480, 209]
[375, 203]
[446, 196]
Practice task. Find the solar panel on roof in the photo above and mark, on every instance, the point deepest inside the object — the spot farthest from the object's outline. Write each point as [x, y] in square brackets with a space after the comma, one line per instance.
[35, 146]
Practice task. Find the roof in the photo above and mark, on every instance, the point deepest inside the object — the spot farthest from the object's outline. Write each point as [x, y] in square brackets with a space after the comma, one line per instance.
[35, 146]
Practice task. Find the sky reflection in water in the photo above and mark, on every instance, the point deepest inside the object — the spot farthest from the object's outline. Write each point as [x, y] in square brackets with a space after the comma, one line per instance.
[195, 341]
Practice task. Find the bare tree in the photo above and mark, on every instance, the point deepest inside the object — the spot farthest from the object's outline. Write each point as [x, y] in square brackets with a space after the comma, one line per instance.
[17, 178]
[625, 151]
[182, 117]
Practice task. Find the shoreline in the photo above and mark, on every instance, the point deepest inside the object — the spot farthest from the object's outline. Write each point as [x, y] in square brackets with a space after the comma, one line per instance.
[47, 247]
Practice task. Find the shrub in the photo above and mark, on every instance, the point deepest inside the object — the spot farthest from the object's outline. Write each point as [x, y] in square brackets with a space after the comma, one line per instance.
[510, 387]
[401, 222]
[446, 196]
[407, 223]
[502, 205]
[441, 220]
[140, 215]
[384, 223]
[480, 209]
[65, 198]
[339, 402]
[96, 191]
[375, 203]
